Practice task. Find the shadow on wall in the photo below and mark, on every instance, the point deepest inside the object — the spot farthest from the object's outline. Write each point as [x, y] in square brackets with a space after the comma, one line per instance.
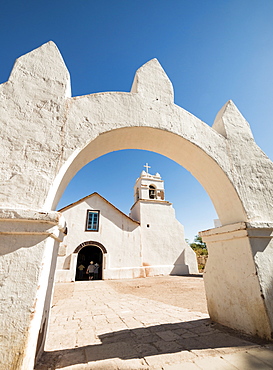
[13, 243]
[180, 267]
[148, 341]
[262, 250]
[67, 262]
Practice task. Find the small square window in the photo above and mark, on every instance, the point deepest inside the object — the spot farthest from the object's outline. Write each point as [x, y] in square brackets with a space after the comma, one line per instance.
[92, 221]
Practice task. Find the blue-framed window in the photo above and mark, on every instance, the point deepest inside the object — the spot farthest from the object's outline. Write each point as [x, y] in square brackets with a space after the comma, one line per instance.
[92, 220]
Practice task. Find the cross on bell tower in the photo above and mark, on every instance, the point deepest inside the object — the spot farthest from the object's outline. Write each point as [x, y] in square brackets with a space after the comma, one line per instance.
[147, 167]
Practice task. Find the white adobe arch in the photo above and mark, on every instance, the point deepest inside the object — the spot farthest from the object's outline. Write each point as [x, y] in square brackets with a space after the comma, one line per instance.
[206, 170]
[47, 136]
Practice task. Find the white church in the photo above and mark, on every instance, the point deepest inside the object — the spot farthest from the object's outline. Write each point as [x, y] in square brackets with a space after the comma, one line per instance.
[149, 242]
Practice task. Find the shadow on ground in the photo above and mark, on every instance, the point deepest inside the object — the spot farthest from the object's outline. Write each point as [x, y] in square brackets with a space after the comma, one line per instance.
[149, 341]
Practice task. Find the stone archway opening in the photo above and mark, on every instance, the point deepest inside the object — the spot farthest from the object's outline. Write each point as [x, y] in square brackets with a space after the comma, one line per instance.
[87, 252]
[55, 135]
[181, 188]
[215, 181]
[199, 163]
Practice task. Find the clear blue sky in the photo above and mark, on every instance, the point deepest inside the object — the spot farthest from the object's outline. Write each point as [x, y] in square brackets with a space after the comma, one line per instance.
[212, 51]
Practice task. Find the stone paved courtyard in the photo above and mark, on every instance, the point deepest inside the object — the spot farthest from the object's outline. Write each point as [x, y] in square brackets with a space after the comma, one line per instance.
[94, 326]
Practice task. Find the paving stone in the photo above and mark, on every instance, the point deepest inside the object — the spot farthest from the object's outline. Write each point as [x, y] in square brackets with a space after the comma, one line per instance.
[152, 338]
[146, 349]
[203, 329]
[214, 363]
[206, 352]
[123, 336]
[47, 361]
[169, 358]
[133, 324]
[168, 335]
[135, 364]
[244, 360]
[189, 334]
[221, 340]
[230, 350]
[102, 365]
[126, 332]
[181, 331]
[71, 357]
[262, 354]
[62, 340]
[191, 343]
[181, 366]
[84, 338]
[168, 347]
[110, 350]
[117, 327]
[141, 332]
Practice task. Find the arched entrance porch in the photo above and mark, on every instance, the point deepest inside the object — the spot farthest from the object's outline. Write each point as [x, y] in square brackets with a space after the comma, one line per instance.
[225, 241]
[58, 135]
[87, 252]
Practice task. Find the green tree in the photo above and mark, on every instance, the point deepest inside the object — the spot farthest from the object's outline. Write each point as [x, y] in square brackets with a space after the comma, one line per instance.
[199, 246]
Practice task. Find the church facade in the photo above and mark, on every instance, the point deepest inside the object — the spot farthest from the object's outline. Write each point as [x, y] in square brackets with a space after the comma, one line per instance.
[149, 242]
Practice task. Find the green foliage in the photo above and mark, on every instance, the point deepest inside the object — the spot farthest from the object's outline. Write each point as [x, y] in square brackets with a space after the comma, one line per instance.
[201, 267]
[199, 246]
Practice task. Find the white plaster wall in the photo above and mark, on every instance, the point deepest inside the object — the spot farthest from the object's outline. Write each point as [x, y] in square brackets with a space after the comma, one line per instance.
[19, 298]
[117, 233]
[234, 292]
[163, 242]
[30, 133]
[261, 242]
[27, 264]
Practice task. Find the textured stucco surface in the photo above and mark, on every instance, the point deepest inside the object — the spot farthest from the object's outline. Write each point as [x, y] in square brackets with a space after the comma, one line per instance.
[232, 285]
[47, 136]
[28, 247]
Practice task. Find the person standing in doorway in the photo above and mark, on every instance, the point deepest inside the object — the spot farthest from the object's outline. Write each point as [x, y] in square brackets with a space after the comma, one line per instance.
[96, 271]
[90, 270]
[81, 269]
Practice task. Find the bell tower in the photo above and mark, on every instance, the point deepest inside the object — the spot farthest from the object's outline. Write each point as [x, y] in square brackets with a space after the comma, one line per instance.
[162, 235]
[148, 190]
[149, 187]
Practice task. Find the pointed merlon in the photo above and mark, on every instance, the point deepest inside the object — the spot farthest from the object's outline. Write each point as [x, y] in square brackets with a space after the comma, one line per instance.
[42, 69]
[230, 123]
[152, 82]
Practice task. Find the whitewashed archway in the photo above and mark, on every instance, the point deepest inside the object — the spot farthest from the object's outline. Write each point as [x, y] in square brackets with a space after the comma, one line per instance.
[47, 136]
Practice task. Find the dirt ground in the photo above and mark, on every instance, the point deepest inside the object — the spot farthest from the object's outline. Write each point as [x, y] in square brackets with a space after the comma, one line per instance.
[182, 291]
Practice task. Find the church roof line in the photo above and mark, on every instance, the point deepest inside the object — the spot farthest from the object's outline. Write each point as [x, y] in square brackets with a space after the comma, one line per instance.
[105, 200]
[154, 201]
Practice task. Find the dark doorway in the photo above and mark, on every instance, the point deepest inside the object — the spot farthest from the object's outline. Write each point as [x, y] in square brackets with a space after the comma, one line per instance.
[85, 256]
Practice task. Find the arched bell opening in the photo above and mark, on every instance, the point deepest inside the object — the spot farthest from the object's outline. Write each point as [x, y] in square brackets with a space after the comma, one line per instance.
[152, 192]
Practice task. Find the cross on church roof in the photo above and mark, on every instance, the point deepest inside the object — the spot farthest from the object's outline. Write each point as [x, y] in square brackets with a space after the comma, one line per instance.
[147, 167]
